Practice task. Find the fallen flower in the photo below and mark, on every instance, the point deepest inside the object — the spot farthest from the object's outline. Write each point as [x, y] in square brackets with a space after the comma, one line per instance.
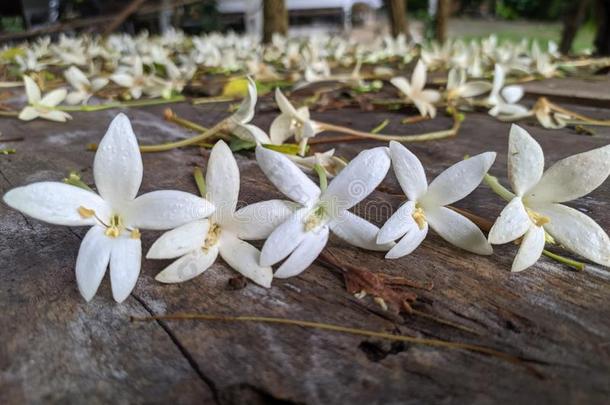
[197, 244]
[459, 88]
[504, 99]
[115, 214]
[536, 206]
[426, 204]
[84, 87]
[304, 234]
[43, 107]
[331, 164]
[423, 99]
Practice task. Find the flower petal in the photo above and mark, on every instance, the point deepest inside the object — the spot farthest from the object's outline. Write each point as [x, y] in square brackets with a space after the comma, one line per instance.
[179, 241]
[244, 258]
[525, 160]
[55, 115]
[284, 105]
[358, 232]
[92, 261]
[418, 79]
[307, 251]
[54, 97]
[245, 112]
[28, 113]
[31, 90]
[512, 94]
[287, 177]
[409, 242]
[166, 209]
[125, 263]
[251, 133]
[458, 230]
[409, 171]
[473, 89]
[222, 181]
[76, 78]
[402, 84]
[512, 223]
[188, 266]
[117, 166]
[458, 180]
[530, 250]
[573, 177]
[285, 238]
[398, 224]
[280, 129]
[357, 180]
[577, 232]
[123, 79]
[257, 221]
[56, 203]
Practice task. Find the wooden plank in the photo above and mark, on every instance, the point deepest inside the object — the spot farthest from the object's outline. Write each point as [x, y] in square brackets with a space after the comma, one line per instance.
[592, 91]
[57, 346]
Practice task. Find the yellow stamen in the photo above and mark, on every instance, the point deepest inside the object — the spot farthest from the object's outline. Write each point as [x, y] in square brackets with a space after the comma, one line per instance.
[314, 219]
[212, 237]
[86, 212]
[537, 218]
[135, 234]
[420, 217]
[114, 229]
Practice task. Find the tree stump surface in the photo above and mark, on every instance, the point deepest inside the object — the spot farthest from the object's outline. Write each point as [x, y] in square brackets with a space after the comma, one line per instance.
[57, 348]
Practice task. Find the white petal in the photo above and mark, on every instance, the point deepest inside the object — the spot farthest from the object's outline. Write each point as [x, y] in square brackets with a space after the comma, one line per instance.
[458, 180]
[76, 97]
[512, 94]
[56, 203]
[287, 177]
[573, 177]
[284, 105]
[498, 82]
[418, 79]
[54, 97]
[304, 254]
[244, 258]
[125, 263]
[512, 223]
[98, 83]
[398, 224]
[577, 232]
[117, 166]
[358, 232]
[409, 171]
[474, 89]
[222, 181]
[252, 133]
[285, 238]
[92, 261]
[530, 250]
[458, 230]
[409, 242]
[123, 79]
[76, 78]
[245, 112]
[28, 113]
[280, 129]
[31, 90]
[525, 160]
[55, 115]
[257, 221]
[401, 84]
[357, 180]
[188, 266]
[179, 241]
[166, 209]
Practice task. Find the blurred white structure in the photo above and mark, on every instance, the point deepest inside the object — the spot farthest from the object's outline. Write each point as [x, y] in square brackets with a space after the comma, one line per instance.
[253, 12]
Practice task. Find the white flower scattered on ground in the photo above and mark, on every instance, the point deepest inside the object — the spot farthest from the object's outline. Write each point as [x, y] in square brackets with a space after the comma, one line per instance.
[504, 99]
[198, 243]
[426, 204]
[133, 78]
[239, 122]
[43, 107]
[292, 122]
[537, 205]
[423, 99]
[331, 164]
[115, 214]
[301, 237]
[459, 88]
[84, 88]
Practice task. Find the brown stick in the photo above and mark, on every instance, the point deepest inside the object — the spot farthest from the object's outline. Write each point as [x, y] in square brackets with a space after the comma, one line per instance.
[123, 15]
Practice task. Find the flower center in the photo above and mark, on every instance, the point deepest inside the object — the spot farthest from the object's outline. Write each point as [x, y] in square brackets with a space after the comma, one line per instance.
[114, 227]
[212, 237]
[537, 218]
[419, 216]
[315, 218]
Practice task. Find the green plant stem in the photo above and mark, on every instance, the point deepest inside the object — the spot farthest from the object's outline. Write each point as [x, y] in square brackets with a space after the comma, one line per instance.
[10, 151]
[124, 104]
[498, 188]
[198, 174]
[380, 127]
[74, 180]
[567, 261]
[186, 142]
[210, 100]
[9, 114]
[343, 329]
[170, 116]
[322, 176]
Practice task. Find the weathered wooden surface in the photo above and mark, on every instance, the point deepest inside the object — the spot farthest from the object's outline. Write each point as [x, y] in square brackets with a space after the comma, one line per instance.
[57, 348]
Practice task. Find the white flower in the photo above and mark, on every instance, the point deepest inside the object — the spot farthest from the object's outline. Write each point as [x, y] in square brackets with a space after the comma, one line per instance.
[426, 204]
[458, 87]
[29, 62]
[292, 122]
[304, 234]
[536, 207]
[84, 87]
[423, 99]
[43, 107]
[238, 123]
[331, 164]
[115, 215]
[197, 244]
[133, 79]
[504, 99]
